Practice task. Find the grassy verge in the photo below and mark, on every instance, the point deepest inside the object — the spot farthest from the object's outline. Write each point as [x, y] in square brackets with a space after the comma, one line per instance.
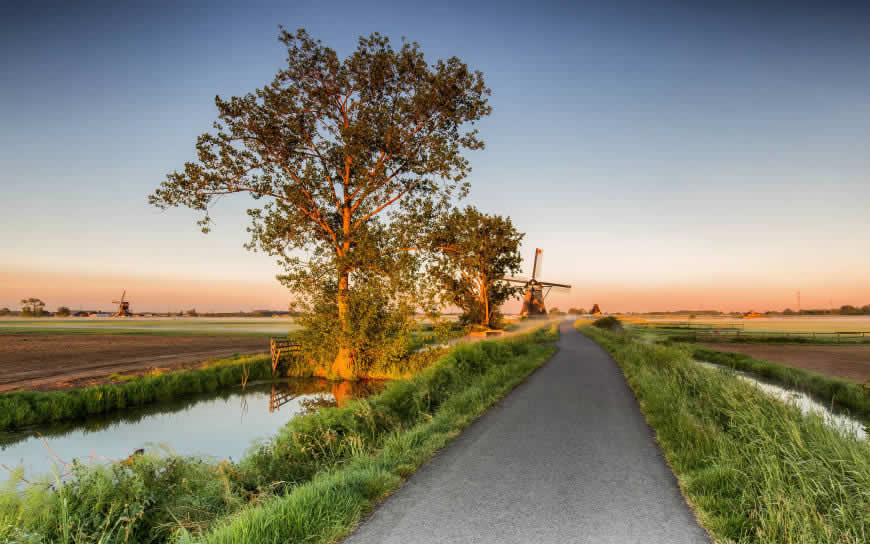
[753, 468]
[24, 408]
[838, 393]
[311, 483]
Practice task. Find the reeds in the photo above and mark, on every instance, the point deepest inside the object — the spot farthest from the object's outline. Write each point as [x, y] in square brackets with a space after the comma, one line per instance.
[312, 482]
[835, 392]
[754, 469]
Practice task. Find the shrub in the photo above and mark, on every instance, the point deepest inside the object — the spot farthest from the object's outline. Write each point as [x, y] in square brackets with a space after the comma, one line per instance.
[608, 323]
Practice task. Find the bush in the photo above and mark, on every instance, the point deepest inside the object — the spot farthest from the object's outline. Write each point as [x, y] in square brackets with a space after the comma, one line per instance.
[608, 323]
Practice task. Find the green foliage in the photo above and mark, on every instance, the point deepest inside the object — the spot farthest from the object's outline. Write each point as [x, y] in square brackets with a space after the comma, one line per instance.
[379, 329]
[18, 409]
[471, 252]
[754, 469]
[334, 147]
[834, 392]
[424, 415]
[32, 307]
[609, 323]
[63, 311]
[312, 481]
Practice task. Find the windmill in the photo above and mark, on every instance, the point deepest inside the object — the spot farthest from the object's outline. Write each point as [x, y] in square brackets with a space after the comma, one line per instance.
[123, 306]
[533, 299]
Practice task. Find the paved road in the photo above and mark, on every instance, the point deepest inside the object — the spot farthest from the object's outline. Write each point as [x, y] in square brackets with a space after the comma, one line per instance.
[566, 457]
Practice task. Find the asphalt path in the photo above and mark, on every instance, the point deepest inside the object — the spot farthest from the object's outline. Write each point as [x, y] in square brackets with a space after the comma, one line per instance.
[565, 457]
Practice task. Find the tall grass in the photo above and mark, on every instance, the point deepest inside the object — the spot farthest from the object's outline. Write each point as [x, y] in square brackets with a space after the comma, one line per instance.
[754, 469]
[312, 481]
[835, 392]
[24, 408]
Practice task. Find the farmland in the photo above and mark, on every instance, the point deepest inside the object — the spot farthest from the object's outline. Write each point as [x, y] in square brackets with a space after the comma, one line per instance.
[818, 324]
[47, 354]
[845, 361]
[163, 326]
[835, 346]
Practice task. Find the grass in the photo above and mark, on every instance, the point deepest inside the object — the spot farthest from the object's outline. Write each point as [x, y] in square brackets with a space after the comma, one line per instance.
[754, 469]
[148, 326]
[752, 337]
[806, 324]
[24, 408]
[312, 482]
[838, 393]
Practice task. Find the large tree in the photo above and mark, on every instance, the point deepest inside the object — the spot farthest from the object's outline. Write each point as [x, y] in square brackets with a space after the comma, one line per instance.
[333, 146]
[473, 251]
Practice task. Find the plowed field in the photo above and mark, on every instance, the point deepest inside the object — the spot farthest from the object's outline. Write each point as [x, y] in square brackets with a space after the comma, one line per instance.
[44, 362]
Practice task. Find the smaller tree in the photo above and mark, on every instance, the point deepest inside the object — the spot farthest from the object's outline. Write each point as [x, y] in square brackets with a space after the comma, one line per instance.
[473, 252]
[5, 311]
[32, 307]
[63, 311]
[192, 312]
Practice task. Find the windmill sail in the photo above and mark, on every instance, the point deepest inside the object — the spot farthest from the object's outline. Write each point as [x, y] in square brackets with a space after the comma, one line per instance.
[533, 298]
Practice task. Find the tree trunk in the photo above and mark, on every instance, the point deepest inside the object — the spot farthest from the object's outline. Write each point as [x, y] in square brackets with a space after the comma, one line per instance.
[486, 307]
[342, 366]
[484, 296]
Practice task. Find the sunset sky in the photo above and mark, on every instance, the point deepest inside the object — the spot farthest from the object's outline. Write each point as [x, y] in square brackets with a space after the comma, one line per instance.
[663, 157]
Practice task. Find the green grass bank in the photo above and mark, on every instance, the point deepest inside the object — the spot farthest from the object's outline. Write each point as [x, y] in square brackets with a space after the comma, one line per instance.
[754, 469]
[312, 482]
[840, 394]
[23, 408]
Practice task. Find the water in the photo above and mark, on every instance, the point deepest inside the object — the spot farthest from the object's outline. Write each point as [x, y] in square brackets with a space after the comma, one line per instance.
[806, 404]
[220, 425]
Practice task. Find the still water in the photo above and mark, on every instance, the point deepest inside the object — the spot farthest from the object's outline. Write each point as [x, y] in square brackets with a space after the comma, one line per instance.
[807, 405]
[220, 425]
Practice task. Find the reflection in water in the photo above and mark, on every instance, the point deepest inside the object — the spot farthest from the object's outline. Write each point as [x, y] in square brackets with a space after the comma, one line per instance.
[222, 424]
[341, 393]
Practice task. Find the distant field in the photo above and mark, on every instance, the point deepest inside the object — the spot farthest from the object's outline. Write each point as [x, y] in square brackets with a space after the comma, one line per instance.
[166, 326]
[773, 324]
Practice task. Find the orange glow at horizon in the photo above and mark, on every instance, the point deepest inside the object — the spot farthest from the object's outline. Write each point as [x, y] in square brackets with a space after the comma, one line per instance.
[154, 294]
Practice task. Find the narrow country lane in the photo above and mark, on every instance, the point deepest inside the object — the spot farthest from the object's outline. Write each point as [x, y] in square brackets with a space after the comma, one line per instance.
[566, 457]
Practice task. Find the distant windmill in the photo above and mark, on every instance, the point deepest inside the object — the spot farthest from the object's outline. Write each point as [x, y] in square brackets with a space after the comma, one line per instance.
[533, 299]
[123, 306]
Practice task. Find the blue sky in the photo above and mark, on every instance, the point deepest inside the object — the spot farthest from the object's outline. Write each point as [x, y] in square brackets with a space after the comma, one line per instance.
[663, 157]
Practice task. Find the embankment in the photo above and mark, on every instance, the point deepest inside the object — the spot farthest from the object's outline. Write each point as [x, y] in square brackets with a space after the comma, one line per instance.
[19, 409]
[311, 482]
[753, 468]
[838, 393]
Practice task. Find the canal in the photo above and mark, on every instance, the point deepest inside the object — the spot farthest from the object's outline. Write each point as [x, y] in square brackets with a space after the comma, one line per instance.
[220, 425]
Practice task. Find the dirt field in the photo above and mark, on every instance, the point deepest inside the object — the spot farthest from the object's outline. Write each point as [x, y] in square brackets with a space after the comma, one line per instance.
[849, 362]
[44, 362]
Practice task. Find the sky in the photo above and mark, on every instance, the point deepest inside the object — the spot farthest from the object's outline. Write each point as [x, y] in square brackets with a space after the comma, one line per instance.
[664, 157]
